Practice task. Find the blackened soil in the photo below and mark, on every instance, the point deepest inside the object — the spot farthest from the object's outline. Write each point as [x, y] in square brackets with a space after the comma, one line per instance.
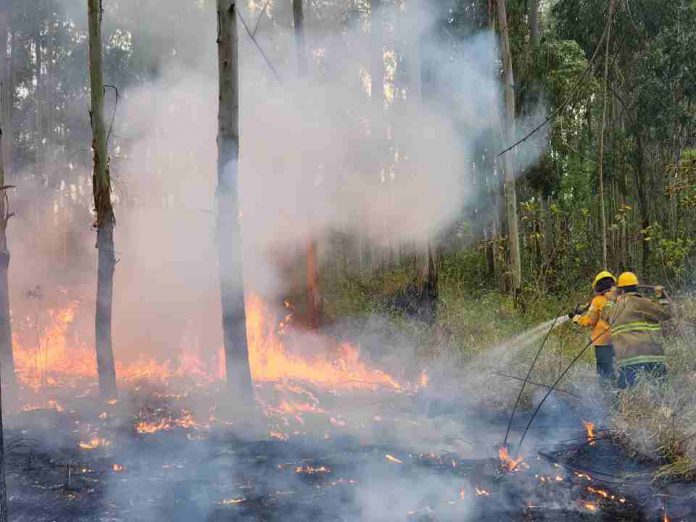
[215, 473]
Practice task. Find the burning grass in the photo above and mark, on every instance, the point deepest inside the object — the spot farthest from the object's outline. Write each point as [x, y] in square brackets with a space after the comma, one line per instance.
[320, 397]
[52, 355]
[507, 462]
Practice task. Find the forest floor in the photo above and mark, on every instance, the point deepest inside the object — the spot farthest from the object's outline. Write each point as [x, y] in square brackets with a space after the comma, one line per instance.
[473, 333]
[424, 453]
[148, 457]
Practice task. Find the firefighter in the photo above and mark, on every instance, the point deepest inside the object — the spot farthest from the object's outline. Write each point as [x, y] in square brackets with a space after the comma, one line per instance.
[635, 323]
[603, 283]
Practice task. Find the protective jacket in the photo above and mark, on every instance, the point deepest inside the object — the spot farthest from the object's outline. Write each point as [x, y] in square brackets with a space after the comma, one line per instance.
[601, 336]
[635, 328]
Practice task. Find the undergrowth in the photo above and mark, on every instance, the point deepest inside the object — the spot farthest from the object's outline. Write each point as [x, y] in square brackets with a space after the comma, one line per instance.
[471, 336]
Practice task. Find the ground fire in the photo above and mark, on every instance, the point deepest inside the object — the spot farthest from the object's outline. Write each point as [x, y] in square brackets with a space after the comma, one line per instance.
[589, 427]
[302, 395]
[411, 261]
[51, 356]
[507, 461]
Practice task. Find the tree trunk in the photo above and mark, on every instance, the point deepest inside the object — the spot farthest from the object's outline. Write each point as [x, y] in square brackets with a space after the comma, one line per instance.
[389, 252]
[377, 57]
[229, 234]
[427, 283]
[313, 295]
[6, 90]
[312, 264]
[427, 276]
[50, 89]
[300, 46]
[4, 517]
[534, 23]
[496, 234]
[7, 371]
[507, 163]
[105, 222]
[546, 203]
[600, 159]
[39, 101]
[643, 197]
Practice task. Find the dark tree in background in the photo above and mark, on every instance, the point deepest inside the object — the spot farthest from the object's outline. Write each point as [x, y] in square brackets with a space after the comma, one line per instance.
[312, 263]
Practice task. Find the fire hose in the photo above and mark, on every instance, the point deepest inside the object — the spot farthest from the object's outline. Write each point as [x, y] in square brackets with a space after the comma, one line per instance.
[529, 374]
[558, 380]
[657, 291]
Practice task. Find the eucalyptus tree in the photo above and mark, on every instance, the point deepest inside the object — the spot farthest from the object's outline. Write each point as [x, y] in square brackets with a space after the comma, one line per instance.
[228, 227]
[105, 220]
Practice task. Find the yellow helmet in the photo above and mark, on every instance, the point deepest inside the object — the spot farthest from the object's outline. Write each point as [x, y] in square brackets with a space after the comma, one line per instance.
[628, 279]
[602, 275]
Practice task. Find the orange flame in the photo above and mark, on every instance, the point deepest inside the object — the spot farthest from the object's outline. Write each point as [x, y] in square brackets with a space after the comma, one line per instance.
[590, 506]
[232, 501]
[46, 352]
[53, 355]
[94, 443]
[507, 461]
[271, 361]
[589, 428]
[390, 458]
[310, 470]
[599, 492]
[148, 427]
[423, 380]
[481, 492]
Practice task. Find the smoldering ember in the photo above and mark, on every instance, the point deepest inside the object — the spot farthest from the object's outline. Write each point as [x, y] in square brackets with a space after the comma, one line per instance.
[347, 260]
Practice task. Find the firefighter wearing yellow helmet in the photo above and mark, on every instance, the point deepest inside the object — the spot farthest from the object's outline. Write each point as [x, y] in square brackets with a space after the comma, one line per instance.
[636, 328]
[592, 318]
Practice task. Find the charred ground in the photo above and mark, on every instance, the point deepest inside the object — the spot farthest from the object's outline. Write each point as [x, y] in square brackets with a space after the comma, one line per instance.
[148, 456]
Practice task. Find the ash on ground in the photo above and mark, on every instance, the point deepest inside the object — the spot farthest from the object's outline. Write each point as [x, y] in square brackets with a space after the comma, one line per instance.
[150, 457]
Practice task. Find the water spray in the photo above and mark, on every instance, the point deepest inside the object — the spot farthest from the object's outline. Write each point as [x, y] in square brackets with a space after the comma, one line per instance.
[560, 319]
[558, 380]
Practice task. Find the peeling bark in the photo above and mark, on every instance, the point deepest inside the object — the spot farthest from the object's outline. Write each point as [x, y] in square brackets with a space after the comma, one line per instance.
[105, 222]
[506, 160]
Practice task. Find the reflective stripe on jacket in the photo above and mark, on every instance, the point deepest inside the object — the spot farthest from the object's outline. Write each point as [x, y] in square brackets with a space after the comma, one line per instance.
[600, 336]
[635, 328]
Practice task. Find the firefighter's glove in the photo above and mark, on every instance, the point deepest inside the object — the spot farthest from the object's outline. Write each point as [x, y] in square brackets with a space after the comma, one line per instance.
[576, 318]
[660, 292]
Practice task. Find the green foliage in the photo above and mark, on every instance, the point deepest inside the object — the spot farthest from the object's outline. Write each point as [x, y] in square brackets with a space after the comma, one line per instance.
[561, 62]
[683, 187]
[465, 269]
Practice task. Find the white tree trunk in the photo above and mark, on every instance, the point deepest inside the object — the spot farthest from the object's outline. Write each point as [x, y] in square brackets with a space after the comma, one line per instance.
[102, 203]
[600, 158]
[507, 158]
[229, 234]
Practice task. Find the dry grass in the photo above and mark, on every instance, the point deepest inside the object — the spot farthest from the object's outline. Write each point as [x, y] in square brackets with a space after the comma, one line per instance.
[470, 342]
[656, 423]
[659, 422]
